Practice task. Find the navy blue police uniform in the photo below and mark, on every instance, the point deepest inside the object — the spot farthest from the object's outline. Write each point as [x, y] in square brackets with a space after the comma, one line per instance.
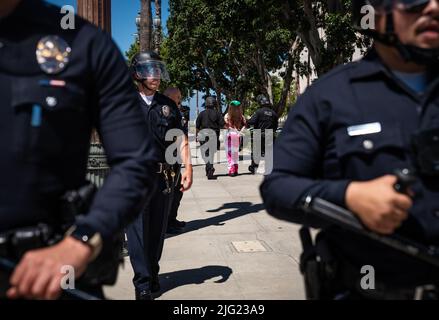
[263, 119]
[355, 124]
[55, 86]
[209, 119]
[146, 235]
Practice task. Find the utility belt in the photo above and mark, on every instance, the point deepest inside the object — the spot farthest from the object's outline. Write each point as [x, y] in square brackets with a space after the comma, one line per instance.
[102, 271]
[328, 276]
[170, 174]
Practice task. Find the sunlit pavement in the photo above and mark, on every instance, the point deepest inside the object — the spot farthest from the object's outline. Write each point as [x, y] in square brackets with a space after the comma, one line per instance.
[231, 248]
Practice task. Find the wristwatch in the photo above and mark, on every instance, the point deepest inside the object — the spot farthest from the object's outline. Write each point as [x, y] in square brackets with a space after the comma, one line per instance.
[87, 236]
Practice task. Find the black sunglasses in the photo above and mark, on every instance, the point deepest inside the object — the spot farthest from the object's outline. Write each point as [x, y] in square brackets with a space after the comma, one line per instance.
[412, 6]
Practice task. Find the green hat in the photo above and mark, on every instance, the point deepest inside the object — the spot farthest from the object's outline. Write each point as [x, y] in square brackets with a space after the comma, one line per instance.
[235, 103]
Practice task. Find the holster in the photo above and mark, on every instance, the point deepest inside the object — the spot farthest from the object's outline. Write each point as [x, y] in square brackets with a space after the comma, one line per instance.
[319, 267]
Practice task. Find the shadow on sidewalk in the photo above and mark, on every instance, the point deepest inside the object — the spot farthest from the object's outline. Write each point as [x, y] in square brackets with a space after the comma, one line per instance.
[172, 280]
[240, 209]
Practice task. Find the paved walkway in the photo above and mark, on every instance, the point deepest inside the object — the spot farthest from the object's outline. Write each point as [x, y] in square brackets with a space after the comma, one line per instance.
[232, 249]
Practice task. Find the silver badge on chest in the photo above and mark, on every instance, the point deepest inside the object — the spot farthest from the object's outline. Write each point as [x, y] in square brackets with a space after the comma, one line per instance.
[166, 110]
[52, 54]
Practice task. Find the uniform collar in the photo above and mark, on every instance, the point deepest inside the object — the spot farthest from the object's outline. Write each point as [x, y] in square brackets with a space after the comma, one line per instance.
[372, 66]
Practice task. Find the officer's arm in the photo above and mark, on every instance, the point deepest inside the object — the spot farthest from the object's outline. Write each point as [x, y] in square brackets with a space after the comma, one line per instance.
[128, 144]
[253, 120]
[298, 162]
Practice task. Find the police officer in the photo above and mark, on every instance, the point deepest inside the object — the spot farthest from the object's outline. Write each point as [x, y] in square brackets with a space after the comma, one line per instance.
[146, 234]
[174, 225]
[264, 119]
[349, 132]
[211, 119]
[55, 85]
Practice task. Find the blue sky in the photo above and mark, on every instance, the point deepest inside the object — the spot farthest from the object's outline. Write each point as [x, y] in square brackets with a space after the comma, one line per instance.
[123, 19]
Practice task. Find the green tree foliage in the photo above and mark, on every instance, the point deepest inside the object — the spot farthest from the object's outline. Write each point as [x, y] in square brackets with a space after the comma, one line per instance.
[241, 48]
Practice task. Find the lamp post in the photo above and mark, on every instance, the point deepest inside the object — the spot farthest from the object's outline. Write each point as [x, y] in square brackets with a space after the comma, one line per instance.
[137, 35]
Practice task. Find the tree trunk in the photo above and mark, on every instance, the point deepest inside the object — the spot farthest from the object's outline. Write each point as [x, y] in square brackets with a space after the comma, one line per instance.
[288, 79]
[145, 25]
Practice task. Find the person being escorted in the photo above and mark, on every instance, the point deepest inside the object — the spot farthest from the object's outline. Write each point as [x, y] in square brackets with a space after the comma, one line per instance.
[209, 119]
[343, 141]
[175, 226]
[146, 235]
[264, 122]
[234, 122]
[57, 85]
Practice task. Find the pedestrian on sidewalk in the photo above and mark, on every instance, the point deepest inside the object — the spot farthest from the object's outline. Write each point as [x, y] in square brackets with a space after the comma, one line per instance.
[235, 122]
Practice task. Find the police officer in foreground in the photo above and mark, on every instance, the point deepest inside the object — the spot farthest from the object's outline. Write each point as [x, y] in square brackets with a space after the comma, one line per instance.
[345, 137]
[55, 85]
[146, 235]
[211, 119]
[263, 120]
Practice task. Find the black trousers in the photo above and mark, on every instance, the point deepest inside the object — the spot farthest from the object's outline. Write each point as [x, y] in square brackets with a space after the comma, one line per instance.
[178, 195]
[146, 236]
[209, 157]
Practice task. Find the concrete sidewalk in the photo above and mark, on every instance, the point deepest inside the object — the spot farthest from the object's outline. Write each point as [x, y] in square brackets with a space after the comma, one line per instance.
[231, 248]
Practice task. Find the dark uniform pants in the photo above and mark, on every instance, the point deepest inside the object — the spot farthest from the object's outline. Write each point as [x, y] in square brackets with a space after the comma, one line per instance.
[146, 236]
[205, 154]
[178, 195]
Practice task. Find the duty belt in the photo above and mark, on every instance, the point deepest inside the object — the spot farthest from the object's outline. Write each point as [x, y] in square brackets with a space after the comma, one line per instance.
[16, 242]
[169, 173]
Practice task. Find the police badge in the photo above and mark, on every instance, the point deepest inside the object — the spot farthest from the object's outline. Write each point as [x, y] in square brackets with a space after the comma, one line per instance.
[52, 54]
[166, 111]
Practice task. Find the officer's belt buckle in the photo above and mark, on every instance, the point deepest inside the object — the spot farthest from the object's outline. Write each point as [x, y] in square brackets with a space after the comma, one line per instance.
[426, 292]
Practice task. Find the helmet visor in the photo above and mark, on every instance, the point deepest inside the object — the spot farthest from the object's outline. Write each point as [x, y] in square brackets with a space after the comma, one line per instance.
[152, 70]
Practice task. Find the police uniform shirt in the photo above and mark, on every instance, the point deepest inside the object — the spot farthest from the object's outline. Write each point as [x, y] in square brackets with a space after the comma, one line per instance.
[209, 119]
[162, 115]
[322, 149]
[47, 111]
[264, 118]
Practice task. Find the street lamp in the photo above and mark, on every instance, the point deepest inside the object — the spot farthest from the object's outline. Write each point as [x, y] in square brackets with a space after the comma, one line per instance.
[138, 27]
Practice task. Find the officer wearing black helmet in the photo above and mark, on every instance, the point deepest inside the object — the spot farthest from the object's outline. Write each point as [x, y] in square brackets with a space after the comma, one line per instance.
[55, 86]
[345, 137]
[263, 120]
[209, 119]
[146, 234]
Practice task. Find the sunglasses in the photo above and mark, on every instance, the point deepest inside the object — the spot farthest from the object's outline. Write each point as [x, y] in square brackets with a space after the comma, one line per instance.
[412, 6]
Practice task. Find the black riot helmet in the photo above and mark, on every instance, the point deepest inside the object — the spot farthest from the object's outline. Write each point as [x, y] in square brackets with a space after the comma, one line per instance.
[148, 64]
[210, 102]
[263, 101]
[409, 52]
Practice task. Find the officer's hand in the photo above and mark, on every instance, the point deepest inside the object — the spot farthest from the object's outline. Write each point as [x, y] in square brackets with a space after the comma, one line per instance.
[377, 204]
[39, 275]
[186, 178]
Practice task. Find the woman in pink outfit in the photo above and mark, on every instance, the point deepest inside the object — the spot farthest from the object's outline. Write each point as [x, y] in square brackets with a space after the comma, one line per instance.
[234, 122]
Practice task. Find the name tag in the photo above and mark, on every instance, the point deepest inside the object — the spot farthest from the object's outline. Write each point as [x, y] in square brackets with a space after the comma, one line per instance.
[364, 129]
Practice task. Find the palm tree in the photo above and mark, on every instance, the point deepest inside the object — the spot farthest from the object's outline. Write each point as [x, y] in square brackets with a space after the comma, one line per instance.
[145, 25]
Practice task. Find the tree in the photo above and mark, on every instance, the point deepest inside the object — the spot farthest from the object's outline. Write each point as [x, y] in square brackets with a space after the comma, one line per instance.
[241, 48]
[145, 36]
